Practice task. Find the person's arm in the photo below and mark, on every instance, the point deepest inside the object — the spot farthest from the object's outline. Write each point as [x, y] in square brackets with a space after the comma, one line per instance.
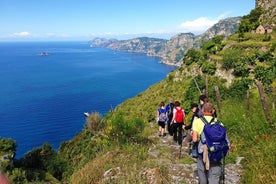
[194, 136]
[195, 131]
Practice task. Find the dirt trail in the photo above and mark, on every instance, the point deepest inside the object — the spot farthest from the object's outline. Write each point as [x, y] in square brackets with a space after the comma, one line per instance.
[178, 172]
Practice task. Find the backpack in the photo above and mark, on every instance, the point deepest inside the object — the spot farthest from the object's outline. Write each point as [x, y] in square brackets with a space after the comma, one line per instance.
[179, 115]
[170, 109]
[214, 136]
[162, 115]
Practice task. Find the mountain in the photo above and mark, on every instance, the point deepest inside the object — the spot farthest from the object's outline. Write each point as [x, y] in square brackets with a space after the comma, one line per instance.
[124, 147]
[171, 51]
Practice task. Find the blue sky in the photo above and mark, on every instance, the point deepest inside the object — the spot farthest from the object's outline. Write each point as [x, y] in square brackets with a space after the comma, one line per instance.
[48, 20]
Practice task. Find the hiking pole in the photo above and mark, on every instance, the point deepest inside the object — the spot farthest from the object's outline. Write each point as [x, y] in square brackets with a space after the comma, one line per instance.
[180, 144]
[222, 170]
[180, 150]
[182, 138]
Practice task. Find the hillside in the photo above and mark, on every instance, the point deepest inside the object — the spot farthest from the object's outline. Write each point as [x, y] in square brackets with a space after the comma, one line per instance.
[171, 51]
[135, 155]
[127, 150]
[239, 76]
[124, 153]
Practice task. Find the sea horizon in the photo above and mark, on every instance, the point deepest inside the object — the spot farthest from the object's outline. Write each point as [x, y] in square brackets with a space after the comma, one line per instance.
[43, 97]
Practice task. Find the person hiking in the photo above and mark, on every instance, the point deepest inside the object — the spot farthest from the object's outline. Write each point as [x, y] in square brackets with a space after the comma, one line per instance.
[188, 138]
[169, 110]
[208, 171]
[202, 100]
[177, 122]
[161, 119]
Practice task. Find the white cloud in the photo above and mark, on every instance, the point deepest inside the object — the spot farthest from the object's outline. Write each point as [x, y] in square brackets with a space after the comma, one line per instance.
[22, 34]
[198, 25]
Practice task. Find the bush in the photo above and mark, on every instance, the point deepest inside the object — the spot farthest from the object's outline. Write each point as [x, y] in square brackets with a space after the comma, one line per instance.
[7, 145]
[239, 88]
[192, 56]
[17, 176]
[240, 70]
[125, 130]
[209, 68]
[94, 122]
[230, 57]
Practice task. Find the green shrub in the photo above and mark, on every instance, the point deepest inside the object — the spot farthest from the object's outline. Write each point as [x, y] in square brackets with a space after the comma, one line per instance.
[18, 176]
[230, 57]
[125, 130]
[209, 68]
[7, 145]
[239, 88]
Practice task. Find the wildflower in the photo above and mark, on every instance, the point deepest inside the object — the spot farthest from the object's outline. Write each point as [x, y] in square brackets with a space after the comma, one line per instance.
[232, 148]
[266, 136]
[257, 139]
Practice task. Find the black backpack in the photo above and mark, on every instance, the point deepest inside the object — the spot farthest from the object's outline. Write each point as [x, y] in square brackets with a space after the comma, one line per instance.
[170, 110]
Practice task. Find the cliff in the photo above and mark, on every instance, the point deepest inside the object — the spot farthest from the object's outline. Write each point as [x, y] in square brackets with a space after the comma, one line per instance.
[269, 14]
[171, 51]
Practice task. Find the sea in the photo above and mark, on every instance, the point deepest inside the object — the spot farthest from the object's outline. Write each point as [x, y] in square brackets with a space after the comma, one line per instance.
[47, 86]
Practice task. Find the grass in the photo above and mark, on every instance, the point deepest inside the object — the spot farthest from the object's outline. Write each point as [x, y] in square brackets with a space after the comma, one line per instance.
[251, 137]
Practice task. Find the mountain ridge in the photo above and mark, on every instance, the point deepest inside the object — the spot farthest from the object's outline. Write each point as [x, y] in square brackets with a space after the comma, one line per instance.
[171, 51]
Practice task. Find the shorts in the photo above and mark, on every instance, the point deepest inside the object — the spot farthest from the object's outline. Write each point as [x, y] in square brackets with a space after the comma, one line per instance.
[161, 123]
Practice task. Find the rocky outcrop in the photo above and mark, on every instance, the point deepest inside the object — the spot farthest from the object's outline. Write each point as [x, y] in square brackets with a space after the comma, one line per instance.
[269, 7]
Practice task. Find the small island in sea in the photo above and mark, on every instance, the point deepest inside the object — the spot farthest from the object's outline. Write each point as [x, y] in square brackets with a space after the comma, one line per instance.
[43, 54]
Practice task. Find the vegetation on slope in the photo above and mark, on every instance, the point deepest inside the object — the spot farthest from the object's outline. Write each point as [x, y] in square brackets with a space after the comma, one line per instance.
[119, 143]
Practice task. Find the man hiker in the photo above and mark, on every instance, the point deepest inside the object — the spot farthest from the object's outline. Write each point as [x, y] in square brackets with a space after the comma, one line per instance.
[188, 138]
[208, 171]
[169, 110]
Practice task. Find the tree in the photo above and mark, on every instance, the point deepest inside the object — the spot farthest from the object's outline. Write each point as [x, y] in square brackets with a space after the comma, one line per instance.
[7, 145]
[230, 57]
[192, 56]
[250, 22]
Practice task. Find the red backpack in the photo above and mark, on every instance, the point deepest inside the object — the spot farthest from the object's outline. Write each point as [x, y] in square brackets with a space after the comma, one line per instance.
[179, 115]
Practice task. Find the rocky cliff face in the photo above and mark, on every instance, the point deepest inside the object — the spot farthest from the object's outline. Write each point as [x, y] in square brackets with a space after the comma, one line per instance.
[269, 6]
[171, 51]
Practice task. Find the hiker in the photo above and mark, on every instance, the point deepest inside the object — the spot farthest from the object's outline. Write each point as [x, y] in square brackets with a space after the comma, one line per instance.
[177, 122]
[169, 110]
[208, 171]
[161, 119]
[188, 139]
[202, 100]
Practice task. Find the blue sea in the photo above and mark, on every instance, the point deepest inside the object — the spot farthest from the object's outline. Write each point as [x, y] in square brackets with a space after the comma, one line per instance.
[43, 98]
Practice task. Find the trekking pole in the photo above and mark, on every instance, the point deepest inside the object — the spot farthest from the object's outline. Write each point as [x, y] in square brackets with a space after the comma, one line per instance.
[180, 150]
[180, 145]
[182, 138]
[222, 170]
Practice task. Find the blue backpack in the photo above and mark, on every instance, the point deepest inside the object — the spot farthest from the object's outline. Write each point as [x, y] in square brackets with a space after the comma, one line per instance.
[162, 115]
[214, 136]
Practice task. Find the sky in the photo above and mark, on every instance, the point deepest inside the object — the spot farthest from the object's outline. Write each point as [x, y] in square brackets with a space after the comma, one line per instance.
[70, 20]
